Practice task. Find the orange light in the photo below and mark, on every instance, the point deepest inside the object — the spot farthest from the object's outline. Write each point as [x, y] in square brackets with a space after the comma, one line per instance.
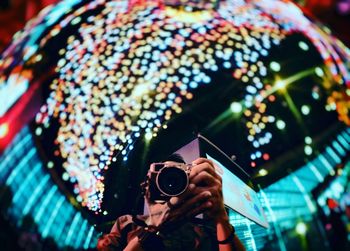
[4, 129]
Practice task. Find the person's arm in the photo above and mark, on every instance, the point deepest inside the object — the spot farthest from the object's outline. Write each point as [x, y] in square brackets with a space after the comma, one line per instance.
[225, 234]
[205, 178]
[113, 241]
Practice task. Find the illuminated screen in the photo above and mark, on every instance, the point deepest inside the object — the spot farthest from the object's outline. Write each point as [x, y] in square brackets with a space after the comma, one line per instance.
[239, 196]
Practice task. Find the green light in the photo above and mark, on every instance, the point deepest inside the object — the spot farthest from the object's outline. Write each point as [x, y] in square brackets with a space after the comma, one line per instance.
[280, 124]
[308, 150]
[315, 95]
[303, 46]
[236, 107]
[148, 136]
[319, 72]
[50, 164]
[38, 131]
[308, 140]
[301, 228]
[76, 20]
[305, 109]
[275, 66]
[65, 176]
[331, 107]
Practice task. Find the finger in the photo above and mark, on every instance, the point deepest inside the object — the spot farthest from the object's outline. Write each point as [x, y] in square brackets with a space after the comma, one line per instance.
[196, 200]
[213, 191]
[204, 167]
[207, 179]
[202, 160]
[202, 208]
[177, 201]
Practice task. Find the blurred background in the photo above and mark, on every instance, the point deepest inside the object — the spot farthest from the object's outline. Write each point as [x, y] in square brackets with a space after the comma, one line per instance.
[91, 92]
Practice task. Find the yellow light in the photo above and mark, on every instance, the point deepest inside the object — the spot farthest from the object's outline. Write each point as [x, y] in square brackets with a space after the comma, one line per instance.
[263, 172]
[140, 90]
[280, 84]
[4, 129]
[187, 16]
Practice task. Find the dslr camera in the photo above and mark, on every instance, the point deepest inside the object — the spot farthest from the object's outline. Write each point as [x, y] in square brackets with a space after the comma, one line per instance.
[167, 180]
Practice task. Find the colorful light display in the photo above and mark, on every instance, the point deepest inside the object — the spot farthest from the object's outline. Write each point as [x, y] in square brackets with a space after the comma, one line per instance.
[123, 69]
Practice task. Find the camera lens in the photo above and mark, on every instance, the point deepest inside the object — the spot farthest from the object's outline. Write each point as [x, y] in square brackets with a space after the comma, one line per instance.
[172, 181]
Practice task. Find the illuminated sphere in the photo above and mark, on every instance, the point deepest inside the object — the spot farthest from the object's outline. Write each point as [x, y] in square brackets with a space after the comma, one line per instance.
[124, 82]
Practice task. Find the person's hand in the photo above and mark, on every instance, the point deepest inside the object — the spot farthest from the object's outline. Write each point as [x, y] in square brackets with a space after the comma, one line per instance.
[180, 208]
[205, 178]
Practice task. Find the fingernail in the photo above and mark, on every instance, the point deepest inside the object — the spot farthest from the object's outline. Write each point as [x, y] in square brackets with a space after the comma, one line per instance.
[191, 186]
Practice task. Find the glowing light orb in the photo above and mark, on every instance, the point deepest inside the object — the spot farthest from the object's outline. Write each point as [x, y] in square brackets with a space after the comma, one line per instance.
[301, 228]
[4, 129]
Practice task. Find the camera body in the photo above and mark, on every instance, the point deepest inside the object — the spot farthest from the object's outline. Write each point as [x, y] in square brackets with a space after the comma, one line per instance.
[166, 180]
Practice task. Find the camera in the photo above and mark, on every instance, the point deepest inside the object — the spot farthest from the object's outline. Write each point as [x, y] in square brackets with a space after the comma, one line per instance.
[167, 180]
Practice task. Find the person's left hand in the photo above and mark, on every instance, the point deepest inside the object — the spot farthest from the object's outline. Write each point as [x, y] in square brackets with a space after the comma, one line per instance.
[205, 178]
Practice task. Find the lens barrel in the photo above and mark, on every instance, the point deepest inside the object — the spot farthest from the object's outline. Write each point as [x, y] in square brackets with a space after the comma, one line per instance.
[172, 181]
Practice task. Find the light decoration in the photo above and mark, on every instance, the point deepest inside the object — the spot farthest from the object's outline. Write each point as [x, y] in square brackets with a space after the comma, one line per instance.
[308, 150]
[280, 124]
[263, 172]
[301, 228]
[236, 107]
[4, 129]
[305, 110]
[130, 68]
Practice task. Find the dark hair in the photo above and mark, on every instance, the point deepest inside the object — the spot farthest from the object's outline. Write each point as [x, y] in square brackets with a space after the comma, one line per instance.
[176, 158]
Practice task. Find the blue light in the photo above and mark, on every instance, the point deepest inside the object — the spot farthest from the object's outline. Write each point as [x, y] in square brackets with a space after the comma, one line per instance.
[52, 217]
[25, 183]
[334, 156]
[35, 195]
[22, 164]
[339, 149]
[88, 238]
[71, 230]
[43, 206]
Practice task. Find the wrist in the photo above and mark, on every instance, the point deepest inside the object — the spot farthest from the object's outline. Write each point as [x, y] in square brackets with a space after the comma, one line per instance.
[229, 238]
[225, 231]
[222, 218]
